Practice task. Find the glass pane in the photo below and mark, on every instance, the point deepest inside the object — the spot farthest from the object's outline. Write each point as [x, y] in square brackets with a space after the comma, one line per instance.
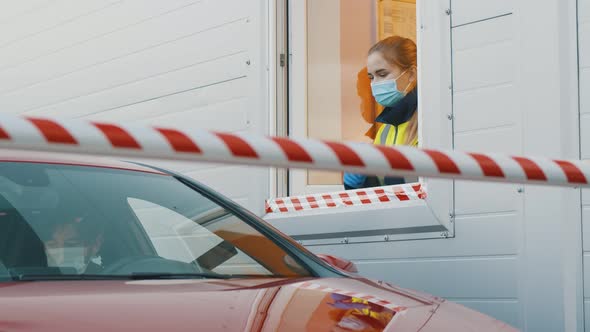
[177, 237]
[339, 34]
[59, 219]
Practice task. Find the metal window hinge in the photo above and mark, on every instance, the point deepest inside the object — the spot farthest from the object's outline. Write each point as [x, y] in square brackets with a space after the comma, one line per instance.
[282, 60]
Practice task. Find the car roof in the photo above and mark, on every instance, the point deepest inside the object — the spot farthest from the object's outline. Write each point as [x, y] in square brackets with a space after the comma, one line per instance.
[73, 159]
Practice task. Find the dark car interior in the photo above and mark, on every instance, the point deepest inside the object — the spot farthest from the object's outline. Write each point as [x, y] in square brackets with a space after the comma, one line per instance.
[37, 199]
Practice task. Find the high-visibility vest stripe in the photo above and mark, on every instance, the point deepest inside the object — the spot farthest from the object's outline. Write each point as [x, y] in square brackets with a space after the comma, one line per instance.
[390, 135]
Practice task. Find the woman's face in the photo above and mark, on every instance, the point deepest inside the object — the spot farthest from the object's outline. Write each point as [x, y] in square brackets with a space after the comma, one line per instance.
[380, 70]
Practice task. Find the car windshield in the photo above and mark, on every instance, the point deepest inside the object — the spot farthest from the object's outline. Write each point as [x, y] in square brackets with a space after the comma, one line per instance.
[78, 222]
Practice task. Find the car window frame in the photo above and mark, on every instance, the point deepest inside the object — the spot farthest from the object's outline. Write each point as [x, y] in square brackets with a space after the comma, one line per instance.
[309, 261]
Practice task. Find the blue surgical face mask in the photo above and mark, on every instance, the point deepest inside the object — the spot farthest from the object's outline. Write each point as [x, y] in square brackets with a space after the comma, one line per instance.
[386, 92]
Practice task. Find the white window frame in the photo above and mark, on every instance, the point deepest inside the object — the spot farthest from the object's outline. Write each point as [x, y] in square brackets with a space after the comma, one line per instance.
[298, 94]
[435, 99]
[434, 39]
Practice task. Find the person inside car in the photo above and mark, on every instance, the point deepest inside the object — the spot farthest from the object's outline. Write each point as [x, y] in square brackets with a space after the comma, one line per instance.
[74, 243]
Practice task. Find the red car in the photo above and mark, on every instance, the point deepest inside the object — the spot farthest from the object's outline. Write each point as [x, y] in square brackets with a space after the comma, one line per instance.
[94, 245]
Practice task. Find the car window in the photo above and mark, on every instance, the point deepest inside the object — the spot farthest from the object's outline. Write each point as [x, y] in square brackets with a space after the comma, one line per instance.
[76, 220]
[177, 237]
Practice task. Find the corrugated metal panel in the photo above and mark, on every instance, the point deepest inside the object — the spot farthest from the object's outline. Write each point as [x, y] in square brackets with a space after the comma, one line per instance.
[586, 233]
[123, 21]
[43, 18]
[479, 236]
[14, 10]
[585, 133]
[468, 11]
[487, 119]
[481, 198]
[441, 275]
[505, 308]
[177, 63]
[584, 74]
[584, 51]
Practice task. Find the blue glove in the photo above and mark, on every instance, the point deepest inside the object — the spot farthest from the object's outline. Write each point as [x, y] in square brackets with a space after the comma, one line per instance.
[354, 180]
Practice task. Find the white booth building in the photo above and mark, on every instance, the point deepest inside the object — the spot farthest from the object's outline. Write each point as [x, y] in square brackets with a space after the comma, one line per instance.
[507, 76]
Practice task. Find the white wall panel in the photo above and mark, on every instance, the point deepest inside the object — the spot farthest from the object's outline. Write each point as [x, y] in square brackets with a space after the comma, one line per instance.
[507, 309]
[505, 139]
[484, 71]
[159, 35]
[584, 63]
[462, 268]
[476, 235]
[586, 228]
[229, 179]
[111, 20]
[440, 275]
[583, 11]
[584, 90]
[179, 56]
[58, 13]
[184, 79]
[471, 114]
[477, 197]
[585, 135]
[176, 63]
[14, 10]
[234, 114]
[478, 35]
[467, 11]
[584, 39]
[486, 118]
[586, 273]
[585, 196]
[485, 66]
[179, 102]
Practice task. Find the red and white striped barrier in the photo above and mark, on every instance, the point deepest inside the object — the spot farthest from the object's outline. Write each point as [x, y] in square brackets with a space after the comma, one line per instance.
[94, 138]
[369, 298]
[388, 194]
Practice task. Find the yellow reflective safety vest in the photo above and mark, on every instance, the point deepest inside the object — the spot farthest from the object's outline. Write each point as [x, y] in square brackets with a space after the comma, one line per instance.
[393, 121]
[393, 125]
[391, 135]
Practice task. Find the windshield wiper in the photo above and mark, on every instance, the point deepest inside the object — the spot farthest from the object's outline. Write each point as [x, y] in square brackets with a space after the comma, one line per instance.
[67, 277]
[160, 275]
[133, 276]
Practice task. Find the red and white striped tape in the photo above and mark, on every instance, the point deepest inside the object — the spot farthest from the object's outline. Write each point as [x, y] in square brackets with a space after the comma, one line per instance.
[398, 193]
[366, 297]
[72, 136]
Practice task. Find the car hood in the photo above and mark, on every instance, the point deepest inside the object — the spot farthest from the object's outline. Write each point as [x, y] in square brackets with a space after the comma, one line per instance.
[339, 304]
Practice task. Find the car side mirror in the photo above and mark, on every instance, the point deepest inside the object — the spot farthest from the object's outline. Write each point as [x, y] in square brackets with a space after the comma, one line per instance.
[339, 263]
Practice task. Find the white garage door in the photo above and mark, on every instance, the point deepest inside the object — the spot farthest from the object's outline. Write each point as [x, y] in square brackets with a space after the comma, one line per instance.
[180, 63]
